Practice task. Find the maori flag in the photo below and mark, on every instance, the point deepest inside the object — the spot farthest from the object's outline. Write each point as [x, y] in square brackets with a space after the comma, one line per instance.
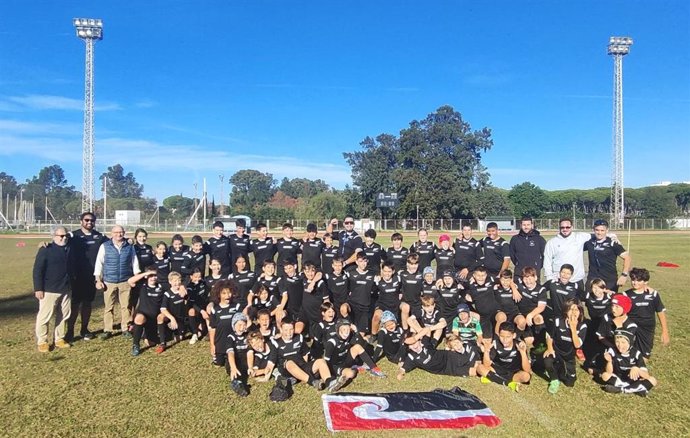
[438, 409]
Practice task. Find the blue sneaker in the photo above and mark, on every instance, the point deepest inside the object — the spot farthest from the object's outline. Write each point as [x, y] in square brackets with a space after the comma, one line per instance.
[136, 350]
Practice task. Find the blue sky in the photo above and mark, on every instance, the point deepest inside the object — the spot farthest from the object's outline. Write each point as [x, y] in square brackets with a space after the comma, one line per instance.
[186, 90]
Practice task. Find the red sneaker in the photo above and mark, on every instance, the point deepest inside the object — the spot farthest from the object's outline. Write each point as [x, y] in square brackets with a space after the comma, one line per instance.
[160, 348]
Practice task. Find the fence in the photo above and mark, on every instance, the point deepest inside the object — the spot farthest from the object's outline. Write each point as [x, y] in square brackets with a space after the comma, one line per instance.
[452, 225]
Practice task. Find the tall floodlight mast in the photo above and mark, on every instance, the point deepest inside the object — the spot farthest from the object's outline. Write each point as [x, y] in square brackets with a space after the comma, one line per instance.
[89, 30]
[618, 47]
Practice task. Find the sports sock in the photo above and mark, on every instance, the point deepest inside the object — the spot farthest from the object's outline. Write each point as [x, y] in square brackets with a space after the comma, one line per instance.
[138, 332]
[368, 361]
[496, 378]
[194, 324]
[161, 333]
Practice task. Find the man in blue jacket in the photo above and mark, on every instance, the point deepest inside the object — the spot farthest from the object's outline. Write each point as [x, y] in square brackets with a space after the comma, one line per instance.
[52, 275]
[116, 262]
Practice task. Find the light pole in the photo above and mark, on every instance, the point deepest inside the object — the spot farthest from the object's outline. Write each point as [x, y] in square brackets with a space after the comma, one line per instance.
[89, 30]
[222, 178]
[618, 47]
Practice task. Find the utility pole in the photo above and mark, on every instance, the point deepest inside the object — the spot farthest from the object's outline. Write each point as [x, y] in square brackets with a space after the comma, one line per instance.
[618, 47]
[222, 209]
[89, 30]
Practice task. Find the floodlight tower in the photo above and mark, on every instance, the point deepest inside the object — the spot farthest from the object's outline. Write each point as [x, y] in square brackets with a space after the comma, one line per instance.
[618, 47]
[89, 30]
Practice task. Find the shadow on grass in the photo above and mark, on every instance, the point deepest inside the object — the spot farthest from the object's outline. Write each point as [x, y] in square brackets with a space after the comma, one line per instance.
[19, 305]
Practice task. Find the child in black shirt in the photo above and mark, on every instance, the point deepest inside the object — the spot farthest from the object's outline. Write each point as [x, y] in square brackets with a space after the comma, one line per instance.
[625, 368]
[505, 360]
[567, 334]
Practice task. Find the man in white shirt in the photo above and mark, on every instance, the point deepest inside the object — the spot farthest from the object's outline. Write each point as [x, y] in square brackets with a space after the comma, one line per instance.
[566, 247]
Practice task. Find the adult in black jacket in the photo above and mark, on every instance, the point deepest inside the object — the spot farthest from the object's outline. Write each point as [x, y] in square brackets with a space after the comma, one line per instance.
[527, 248]
[52, 275]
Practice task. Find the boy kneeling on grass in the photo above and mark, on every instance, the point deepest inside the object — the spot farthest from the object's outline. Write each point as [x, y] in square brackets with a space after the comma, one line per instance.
[148, 308]
[625, 368]
[505, 361]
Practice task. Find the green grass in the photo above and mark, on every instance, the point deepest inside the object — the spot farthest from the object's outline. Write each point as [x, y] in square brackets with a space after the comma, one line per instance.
[98, 389]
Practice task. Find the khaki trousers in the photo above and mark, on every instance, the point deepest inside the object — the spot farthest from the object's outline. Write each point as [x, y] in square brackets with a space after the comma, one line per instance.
[119, 292]
[52, 303]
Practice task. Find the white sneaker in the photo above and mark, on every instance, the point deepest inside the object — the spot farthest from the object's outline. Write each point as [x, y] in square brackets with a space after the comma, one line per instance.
[193, 340]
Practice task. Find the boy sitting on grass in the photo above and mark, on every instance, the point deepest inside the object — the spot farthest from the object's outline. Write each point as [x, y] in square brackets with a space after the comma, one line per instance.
[505, 361]
[625, 368]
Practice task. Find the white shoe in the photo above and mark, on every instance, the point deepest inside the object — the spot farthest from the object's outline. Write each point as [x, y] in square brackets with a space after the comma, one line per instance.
[193, 340]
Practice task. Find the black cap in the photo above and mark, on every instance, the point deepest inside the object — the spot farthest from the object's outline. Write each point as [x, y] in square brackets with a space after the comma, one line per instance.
[311, 228]
[600, 222]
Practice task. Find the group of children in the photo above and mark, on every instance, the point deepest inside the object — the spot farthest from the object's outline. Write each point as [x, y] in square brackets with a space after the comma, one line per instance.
[325, 324]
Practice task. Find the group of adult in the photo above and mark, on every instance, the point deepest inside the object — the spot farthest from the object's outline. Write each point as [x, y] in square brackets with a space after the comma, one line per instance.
[70, 270]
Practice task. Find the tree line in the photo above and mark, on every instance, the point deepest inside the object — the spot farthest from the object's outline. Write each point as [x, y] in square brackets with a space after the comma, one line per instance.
[433, 165]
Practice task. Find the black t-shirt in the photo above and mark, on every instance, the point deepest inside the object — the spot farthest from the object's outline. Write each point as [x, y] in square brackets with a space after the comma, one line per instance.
[361, 285]
[375, 256]
[85, 248]
[263, 359]
[644, 308]
[483, 298]
[531, 298]
[240, 246]
[338, 287]
[505, 301]
[292, 286]
[311, 251]
[467, 253]
[293, 349]
[198, 294]
[327, 256]
[411, 286]
[607, 327]
[427, 319]
[602, 260]
[430, 289]
[494, 252]
[237, 345]
[287, 251]
[391, 342]
[191, 261]
[218, 248]
[221, 319]
[560, 293]
[244, 282]
[263, 250]
[597, 307]
[174, 304]
[507, 358]
[177, 258]
[563, 338]
[623, 363]
[348, 243]
[445, 261]
[426, 251]
[398, 257]
[389, 293]
[337, 349]
[144, 255]
[271, 285]
[150, 299]
[312, 300]
[449, 299]
[323, 331]
[162, 269]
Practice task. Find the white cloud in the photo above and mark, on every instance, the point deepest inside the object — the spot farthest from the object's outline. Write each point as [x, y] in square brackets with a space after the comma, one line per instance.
[31, 128]
[51, 102]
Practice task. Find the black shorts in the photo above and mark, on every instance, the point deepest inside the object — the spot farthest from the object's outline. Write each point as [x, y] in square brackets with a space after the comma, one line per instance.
[83, 290]
[360, 317]
[301, 364]
[505, 373]
[487, 323]
[337, 368]
[391, 308]
[644, 340]
[453, 368]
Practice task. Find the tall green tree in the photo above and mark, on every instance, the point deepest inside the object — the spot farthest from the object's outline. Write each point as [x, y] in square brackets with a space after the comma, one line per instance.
[180, 207]
[302, 187]
[51, 183]
[435, 164]
[121, 185]
[249, 188]
[9, 185]
[528, 199]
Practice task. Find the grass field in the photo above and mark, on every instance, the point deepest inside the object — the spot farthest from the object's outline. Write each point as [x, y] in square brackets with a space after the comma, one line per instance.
[97, 389]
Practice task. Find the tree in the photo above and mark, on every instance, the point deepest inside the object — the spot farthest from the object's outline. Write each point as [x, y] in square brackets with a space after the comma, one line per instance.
[9, 185]
[528, 200]
[325, 205]
[249, 188]
[302, 187]
[179, 206]
[436, 165]
[121, 185]
[491, 201]
[51, 183]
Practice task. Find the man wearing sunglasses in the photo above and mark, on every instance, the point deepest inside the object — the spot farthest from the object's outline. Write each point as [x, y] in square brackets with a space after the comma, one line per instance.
[53, 270]
[565, 248]
[84, 243]
[349, 242]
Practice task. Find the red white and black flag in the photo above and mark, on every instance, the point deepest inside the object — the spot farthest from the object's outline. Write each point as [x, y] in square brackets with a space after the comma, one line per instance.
[439, 409]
